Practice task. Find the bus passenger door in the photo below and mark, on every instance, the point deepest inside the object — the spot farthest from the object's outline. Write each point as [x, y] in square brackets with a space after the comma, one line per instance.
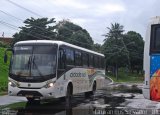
[61, 72]
[61, 64]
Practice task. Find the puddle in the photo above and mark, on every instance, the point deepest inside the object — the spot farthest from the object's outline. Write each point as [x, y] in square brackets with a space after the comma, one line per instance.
[101, 104]
[105, 102]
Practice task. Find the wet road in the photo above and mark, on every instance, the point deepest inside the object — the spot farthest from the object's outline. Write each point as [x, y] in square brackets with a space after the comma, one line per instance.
[107, 101]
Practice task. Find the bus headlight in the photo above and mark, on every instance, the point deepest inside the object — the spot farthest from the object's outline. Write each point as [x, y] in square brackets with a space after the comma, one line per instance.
[12, 84]
[49, 85]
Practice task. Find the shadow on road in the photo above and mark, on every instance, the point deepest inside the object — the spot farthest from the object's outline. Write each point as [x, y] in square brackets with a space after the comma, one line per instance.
[80, 106]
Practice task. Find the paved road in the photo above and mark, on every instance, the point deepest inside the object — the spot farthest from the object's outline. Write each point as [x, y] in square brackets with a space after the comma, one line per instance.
[5, 100]
[106, 101]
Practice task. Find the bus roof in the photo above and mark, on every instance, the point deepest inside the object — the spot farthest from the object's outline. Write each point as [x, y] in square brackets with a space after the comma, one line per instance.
[59, 43]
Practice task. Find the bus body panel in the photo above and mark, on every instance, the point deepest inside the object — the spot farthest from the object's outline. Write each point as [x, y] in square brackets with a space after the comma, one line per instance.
[155, 77]
[146, 65]
[151, 86]
[82, 80]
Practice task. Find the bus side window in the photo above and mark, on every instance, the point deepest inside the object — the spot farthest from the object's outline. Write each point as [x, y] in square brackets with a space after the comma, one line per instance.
[61, 59]
[69, 56]
[96, 61]
[90, 60]
[78, 58]
[85, 59]
[103, 62]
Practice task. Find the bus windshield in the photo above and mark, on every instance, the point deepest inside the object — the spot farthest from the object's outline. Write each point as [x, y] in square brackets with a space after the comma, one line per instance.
[32, 61]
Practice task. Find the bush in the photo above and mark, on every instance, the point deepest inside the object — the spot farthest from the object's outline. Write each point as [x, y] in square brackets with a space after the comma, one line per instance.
[3, 45]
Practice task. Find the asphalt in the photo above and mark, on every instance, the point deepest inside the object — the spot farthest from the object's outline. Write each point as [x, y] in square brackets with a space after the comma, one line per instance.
[5, 100]
[111, 100]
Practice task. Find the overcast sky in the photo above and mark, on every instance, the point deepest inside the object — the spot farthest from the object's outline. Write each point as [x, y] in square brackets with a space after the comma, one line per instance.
[93, 15]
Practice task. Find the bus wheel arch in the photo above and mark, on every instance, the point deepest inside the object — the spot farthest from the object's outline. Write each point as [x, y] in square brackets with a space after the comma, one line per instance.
[70, 85]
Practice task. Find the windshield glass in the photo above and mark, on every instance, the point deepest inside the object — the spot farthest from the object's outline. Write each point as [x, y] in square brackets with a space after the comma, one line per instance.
[34, 61]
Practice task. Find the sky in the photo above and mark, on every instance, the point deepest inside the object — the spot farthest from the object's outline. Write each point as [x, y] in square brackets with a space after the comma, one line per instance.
[93, 15]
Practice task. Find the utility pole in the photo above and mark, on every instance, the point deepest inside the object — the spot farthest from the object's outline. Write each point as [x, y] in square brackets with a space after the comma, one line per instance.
[3, 34]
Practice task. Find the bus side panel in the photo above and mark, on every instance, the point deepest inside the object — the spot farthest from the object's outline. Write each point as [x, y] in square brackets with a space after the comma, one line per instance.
[155, 77]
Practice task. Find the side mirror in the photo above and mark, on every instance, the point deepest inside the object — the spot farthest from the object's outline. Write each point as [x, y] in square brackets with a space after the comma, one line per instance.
[5, 58]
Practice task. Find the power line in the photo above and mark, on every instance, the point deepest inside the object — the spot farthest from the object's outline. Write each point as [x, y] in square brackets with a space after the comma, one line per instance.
[16, 28]
[8, 14]
[8, 25]
[23, 8]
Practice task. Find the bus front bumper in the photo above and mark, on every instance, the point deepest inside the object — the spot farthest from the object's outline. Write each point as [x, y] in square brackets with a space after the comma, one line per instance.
[32, 93]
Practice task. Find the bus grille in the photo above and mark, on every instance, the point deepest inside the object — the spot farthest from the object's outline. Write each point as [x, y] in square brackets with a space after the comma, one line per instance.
[34, 93]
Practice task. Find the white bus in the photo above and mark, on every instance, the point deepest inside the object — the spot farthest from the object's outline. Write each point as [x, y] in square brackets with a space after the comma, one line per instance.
[151, 87]
[43, 69]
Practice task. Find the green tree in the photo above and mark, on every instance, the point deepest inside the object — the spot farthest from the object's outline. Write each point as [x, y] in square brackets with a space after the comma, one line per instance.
[97, 47]
[135, 50]
[114, 48]
[36, 29]
[74, 34]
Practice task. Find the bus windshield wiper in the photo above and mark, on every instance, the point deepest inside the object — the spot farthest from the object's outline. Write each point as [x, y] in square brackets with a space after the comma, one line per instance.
[29, 63]
[34, 64]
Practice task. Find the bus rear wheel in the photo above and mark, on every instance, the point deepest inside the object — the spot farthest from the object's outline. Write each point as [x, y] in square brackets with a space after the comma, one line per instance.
[91, 93]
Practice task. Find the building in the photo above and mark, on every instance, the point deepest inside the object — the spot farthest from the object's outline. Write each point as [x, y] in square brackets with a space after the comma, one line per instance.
[6, 40]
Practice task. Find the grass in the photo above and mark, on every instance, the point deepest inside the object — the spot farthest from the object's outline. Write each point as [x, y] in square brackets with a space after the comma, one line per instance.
[3, 93]
[3, 71]
[15, 105]
[127, 77]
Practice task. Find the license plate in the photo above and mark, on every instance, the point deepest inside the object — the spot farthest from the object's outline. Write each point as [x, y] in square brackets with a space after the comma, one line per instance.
[30, 96]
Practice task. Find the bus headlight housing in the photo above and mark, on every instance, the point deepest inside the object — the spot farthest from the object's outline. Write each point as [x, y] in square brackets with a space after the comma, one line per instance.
[48, 85]
[12, 84]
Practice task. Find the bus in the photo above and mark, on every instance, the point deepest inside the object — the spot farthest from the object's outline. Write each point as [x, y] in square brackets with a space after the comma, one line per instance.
[151, 87]
[45, 69]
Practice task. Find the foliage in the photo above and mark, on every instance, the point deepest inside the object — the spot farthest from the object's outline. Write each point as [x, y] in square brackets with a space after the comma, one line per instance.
[135, 50]
[124, 76]
[3, 71]
[74, 34]
[43, 28]
[114, 48]
[36, 29]
[3, 45]
[123, 50]
[97, 47]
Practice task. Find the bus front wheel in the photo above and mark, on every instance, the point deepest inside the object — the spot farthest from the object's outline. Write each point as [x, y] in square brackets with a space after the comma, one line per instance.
[68, 96]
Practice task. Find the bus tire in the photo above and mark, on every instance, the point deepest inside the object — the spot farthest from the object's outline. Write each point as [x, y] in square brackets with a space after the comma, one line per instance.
[94, 88]
[91, 93]
[68, 97]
